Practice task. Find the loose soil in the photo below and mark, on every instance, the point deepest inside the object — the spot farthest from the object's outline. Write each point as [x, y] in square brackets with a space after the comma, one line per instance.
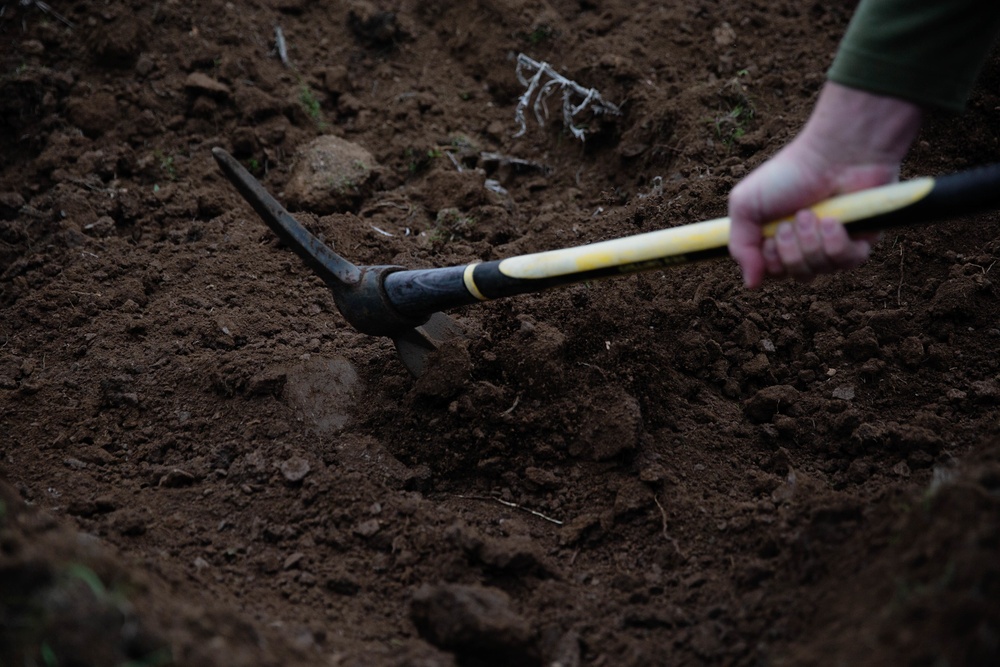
[204, 464]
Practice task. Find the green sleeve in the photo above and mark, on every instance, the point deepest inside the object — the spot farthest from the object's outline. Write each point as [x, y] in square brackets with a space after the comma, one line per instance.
[926, 51]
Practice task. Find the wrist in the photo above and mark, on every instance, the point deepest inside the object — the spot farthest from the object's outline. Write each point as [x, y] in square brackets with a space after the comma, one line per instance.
[851, 128]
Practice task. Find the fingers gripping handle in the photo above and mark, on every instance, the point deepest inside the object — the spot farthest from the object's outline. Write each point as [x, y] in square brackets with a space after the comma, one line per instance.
[917, 201]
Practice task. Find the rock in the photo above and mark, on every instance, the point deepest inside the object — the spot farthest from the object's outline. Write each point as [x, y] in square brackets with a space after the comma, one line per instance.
[331, 175]
[473, 621]
[844, 393]
[294, 469]
[367, 528]
[724, 35]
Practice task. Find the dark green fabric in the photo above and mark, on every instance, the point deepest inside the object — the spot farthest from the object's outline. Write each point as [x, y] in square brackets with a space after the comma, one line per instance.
[924, 51]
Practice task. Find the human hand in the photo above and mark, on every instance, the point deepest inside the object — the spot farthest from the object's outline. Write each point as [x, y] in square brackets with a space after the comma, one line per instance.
[854, 140]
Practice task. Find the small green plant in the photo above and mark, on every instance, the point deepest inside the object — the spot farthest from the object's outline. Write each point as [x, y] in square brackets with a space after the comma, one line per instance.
[451, 224]
[736, 112]
[740, 116]
[732, 125]
[342, 185]
[167, 165]
[461, 141]
[81, 572]
[539, 34]
[420, 160]
[42, 614]
[311, 104]
[49, 658]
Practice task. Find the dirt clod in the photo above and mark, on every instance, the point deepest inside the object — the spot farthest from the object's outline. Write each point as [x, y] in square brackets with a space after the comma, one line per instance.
[330, 175]
[475, 622]
[205, 464]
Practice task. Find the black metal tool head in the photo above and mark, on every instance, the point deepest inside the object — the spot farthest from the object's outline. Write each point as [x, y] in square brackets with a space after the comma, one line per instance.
[359, 291]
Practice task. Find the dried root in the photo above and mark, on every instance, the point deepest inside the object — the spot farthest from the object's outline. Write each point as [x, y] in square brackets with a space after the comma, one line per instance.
[543, 83]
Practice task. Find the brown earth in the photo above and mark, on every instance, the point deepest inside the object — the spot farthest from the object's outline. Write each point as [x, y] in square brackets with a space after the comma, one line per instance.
[205, 465]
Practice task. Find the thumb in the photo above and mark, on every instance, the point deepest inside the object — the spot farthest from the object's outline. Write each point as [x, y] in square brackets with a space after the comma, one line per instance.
[744, 246]
[745, 239]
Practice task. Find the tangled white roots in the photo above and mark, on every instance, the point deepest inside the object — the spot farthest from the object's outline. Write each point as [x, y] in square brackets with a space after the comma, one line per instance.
[543, 83]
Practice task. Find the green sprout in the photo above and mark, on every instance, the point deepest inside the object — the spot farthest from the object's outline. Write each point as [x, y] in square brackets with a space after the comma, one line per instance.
[311, 104]
[418, 160]
[49, 658]
[83, 573]
[539, 34]
[733, 124]
[451, 224]
[167, 165]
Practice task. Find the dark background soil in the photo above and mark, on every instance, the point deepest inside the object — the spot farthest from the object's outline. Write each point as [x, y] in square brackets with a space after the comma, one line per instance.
[204, 464]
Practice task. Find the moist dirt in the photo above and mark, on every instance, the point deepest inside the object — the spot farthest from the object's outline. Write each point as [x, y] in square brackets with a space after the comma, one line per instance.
[203, 464]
